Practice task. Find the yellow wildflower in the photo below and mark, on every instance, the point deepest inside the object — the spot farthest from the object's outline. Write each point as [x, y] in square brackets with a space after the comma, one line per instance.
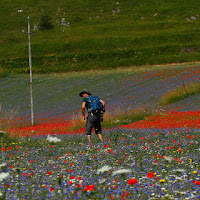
[162, 180]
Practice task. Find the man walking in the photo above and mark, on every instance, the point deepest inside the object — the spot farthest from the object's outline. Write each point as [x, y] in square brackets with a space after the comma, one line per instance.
[94, 106]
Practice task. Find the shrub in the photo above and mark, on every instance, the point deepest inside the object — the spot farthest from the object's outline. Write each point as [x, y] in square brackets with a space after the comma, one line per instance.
[45, 23]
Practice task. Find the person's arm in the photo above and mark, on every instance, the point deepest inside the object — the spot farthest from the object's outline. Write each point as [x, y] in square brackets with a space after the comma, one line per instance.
[103, 103]
[83, 110]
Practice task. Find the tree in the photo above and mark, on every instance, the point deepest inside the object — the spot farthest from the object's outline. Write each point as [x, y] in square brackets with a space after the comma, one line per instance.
[45, 23]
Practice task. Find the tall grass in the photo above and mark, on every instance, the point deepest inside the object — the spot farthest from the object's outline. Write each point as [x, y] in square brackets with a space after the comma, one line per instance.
[121, 117]
[115, 118]
[77, 122]
[6, 123]
[7, 119]
[180, 93]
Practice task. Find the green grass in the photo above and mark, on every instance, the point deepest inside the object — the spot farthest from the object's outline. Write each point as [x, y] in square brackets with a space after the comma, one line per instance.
[180, 93]
[3, 73]
[101, 34]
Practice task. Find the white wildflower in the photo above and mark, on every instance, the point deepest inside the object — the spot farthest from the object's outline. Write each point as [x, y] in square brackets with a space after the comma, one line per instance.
[168, 158]
[179, 192]
[103, 169]
[121, 171]
[103, 180]
[3, 165]
[53, 139]
[4, 175]
[179, 170]
[20, 10]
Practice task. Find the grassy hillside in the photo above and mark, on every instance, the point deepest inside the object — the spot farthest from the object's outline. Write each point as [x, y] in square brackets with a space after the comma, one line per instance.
[98, 34]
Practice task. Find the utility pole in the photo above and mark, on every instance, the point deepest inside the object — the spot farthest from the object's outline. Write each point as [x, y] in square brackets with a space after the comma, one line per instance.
[30, 65]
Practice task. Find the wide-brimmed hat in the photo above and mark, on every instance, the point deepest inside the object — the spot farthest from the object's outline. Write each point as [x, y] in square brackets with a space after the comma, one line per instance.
[83, 92]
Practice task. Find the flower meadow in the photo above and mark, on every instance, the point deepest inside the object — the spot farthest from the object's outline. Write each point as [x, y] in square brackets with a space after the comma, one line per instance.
[56, 95]
[129, 164]
[155, 158]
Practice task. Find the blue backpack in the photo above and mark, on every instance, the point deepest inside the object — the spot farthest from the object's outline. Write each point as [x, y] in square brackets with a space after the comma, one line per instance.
[95, 104]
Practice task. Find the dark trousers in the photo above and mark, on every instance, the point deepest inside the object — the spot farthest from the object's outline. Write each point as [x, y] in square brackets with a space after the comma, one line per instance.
[93, 121]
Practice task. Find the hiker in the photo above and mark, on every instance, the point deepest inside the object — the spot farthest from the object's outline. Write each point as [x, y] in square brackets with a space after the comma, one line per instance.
[95, 106]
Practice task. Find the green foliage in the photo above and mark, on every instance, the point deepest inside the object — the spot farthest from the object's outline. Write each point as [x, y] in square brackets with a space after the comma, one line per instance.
[45, 23]
[180, 93]
[6, 140]
[3, 73]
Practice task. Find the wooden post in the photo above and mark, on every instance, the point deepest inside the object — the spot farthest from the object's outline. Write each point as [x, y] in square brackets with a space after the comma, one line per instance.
[31, 76]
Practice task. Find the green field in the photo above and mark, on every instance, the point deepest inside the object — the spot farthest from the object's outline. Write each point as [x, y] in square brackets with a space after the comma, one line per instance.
[98, 34]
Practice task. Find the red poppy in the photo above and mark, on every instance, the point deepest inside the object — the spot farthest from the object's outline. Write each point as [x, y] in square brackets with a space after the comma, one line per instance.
[132, 181]
[115, 187]
[49, 173]
[89, 188]
[79, 185]
[196, 182]
[51, 189]
[150, 174]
